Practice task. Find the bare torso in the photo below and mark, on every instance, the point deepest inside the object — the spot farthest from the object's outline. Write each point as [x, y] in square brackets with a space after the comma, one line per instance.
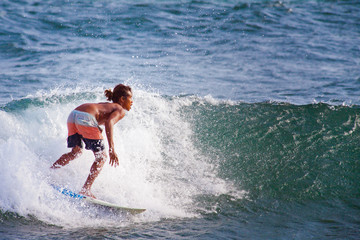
[101, 111]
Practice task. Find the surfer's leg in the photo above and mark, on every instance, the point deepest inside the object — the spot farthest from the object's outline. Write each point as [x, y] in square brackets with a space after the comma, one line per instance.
[100, 158]
[67, 157]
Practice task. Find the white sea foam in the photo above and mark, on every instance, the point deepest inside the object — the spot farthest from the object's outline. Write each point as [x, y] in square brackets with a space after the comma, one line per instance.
[160, 169]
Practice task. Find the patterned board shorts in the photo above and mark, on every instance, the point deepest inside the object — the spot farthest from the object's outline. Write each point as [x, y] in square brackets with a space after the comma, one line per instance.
[83, 127]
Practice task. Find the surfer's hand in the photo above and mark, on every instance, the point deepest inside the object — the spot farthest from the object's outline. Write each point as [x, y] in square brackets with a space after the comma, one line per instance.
[114, 161]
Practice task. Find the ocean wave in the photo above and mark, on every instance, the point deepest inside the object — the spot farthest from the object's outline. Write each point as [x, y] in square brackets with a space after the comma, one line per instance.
[282, 151]
[161, 169]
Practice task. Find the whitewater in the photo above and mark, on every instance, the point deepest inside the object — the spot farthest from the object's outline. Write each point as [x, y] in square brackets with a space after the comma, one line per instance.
[160, 169]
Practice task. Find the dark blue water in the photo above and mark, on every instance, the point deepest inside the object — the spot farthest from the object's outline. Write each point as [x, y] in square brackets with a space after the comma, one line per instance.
[245, 122]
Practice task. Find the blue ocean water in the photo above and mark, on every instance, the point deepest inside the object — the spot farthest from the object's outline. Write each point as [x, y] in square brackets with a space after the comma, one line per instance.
[245, 123]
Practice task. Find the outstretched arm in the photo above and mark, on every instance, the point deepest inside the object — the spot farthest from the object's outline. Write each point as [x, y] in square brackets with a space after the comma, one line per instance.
[109, 129]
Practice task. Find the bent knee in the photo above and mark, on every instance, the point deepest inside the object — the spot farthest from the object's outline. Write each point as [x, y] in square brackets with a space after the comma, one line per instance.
[100, 156]
[76, 151]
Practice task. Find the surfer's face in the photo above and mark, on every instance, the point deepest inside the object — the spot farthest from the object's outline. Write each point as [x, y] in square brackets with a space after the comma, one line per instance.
[126, 102]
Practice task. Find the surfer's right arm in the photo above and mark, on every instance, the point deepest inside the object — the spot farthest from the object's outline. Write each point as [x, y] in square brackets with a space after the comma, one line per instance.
[114, 117]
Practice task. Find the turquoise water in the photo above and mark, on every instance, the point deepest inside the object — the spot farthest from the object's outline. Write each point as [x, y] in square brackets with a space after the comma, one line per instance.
[245, 123]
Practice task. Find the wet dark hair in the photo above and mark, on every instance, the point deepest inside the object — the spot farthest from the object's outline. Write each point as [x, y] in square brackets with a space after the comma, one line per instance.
[119, 91]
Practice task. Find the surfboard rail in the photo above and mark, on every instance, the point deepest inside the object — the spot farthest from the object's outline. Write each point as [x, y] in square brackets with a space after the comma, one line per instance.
[97, 202]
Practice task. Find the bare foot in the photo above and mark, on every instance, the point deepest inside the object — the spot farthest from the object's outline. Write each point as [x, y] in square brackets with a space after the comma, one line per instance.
[87, 193]
[55, 166]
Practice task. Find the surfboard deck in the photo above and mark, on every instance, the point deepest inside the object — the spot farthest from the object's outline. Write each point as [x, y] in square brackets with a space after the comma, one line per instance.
[97, 202]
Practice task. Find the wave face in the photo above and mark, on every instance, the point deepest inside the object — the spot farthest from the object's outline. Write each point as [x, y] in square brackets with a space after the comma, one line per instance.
[283, 151]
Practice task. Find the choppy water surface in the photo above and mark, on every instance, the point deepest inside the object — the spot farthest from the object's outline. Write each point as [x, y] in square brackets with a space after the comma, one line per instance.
[245, 122]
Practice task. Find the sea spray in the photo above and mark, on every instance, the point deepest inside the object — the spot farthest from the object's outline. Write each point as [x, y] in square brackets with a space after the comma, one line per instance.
[160, 169]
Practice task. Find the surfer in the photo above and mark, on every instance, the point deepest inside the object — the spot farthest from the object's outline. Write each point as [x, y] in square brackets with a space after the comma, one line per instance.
[84, 126]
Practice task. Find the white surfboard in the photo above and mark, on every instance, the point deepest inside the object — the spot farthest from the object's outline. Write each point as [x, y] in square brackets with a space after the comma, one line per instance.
[97, 202]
